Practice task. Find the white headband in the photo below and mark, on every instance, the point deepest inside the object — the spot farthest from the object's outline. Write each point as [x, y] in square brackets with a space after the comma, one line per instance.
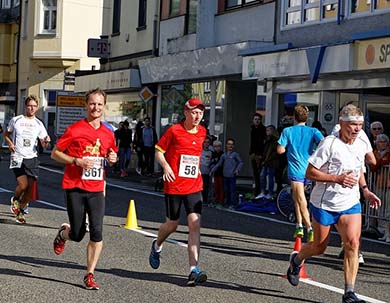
[352, 118]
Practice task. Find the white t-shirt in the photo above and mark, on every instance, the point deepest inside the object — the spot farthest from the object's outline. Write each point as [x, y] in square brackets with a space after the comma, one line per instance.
[335, 157]
[25, 132]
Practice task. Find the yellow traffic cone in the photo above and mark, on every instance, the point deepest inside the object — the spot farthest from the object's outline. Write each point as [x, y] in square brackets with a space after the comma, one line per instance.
[131, 220]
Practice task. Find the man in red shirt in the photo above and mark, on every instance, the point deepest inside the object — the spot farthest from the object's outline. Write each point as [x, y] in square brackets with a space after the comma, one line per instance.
[178, 152]
[84, 148]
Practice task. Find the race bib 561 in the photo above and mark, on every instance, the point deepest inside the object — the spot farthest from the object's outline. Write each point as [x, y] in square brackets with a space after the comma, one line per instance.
[96, 172]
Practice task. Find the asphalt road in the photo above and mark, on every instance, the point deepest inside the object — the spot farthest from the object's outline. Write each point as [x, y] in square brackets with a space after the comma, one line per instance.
[245, 255]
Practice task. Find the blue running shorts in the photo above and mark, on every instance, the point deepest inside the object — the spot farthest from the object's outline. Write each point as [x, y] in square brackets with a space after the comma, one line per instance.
[300, 180]
[326, 217]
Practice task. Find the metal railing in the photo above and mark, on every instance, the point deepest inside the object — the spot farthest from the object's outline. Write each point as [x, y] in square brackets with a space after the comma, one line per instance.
[379, 182]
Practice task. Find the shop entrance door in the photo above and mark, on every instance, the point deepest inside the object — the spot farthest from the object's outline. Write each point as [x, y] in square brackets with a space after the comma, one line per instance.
[377, 108]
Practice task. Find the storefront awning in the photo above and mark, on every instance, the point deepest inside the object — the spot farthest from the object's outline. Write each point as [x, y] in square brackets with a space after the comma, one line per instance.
[196, 64]
[299, 62]
[115, 80]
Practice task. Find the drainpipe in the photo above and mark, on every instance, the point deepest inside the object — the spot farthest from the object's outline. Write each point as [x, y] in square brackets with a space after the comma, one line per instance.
[17, 56]
[155, 27]
[340, 15]
[213, 90]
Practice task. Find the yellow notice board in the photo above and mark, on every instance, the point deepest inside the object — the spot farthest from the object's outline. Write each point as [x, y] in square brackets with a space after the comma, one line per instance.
[74, 101]
[70, 108]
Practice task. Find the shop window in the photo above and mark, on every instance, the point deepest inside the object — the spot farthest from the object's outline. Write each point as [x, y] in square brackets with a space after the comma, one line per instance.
[382, 4]
[49, 17]
[116, 17]
[329, 9]
[368, 6]
[6, 4]
[141, 14]
[51, 97]
[174, 97]
[174, 8]
[239, 3]
[290, 100]
[358, 6]
[192, 16]
[298, 12]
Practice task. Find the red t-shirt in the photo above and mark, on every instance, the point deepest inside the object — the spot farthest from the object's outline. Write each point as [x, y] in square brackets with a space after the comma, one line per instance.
[82, 140]
[182, 151]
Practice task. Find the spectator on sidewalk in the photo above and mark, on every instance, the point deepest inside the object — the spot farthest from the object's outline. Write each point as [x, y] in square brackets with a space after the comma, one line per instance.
[205, 162]
[376, 128]
[218, 174]
[146, 140]
[256, 149]
[232, 164]
[137, 145]
[125, 140]
[381, 177]
[270, 164]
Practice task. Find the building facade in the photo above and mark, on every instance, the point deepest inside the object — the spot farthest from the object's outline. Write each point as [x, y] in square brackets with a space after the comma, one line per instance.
[327, 54]
[9, 38]
[130, 31]
[200, 41]
[52, 45]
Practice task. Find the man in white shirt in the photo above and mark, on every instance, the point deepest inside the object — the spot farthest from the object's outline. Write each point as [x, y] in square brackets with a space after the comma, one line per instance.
[337, 168]
[22, 135]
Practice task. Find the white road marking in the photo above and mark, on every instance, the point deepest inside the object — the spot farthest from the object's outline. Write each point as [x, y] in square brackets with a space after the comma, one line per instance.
[338, 290]
[51, 204]
[146, 233]
[3, 190]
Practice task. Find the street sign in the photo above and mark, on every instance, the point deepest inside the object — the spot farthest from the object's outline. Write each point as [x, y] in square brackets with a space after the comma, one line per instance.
[99, 48]
[145, 94]
[70, 108]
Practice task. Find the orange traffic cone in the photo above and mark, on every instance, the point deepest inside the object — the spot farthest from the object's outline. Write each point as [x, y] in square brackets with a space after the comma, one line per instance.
[34, 191]
[297, 247]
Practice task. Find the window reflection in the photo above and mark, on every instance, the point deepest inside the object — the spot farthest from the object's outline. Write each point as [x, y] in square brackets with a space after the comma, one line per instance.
[289, 101]
[174, 97]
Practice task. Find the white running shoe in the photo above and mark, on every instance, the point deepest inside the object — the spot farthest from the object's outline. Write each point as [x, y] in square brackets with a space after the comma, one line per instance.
[260, 196]
[361, 259]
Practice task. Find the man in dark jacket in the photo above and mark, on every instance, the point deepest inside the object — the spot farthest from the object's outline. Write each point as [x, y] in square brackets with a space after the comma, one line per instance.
[146, 138]
[256, 149]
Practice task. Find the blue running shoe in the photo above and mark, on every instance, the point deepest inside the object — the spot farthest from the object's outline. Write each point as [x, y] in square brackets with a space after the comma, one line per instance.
[350, 297]
[196, 276]
[293, 270]
[154, 257]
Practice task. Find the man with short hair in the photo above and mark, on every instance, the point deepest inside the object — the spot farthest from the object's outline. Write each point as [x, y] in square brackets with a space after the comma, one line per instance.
[337, 168]
[22, 135]
[85, 147]
[299, 141]
[148, 139]
[256, 149]
[178, 152]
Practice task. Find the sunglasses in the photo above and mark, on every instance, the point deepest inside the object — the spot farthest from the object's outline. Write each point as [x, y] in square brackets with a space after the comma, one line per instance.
[377, 128]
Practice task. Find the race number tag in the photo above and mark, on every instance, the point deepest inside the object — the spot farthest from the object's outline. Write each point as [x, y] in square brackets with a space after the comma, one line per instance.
[15, 161]
[96, 172]
[189, 166]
